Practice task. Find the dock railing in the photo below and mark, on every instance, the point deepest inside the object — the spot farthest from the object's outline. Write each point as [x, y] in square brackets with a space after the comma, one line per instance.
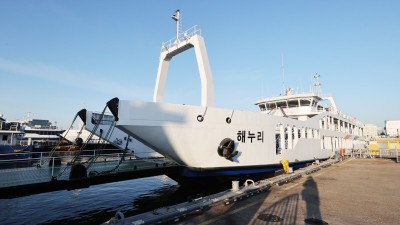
[58, 159]
[386, 153]
[40, 167]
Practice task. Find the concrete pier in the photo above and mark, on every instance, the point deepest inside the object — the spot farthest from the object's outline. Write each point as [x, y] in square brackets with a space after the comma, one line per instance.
[356, 191]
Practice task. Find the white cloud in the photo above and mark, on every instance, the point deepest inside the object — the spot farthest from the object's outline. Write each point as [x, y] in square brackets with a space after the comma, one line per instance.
[77, 79]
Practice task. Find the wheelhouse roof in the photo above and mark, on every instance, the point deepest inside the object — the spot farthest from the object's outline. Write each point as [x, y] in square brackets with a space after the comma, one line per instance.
[289, 97]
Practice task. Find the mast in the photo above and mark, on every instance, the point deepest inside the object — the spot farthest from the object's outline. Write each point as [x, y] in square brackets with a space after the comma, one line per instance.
[283, 75]
[190, 39]
[317, 84]
[177, 18]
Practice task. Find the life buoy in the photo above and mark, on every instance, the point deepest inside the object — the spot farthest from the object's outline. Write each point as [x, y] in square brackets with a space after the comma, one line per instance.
[226, 149]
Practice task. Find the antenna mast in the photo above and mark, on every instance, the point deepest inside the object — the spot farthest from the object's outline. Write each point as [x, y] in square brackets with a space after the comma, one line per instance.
[177, 18]
[283, 74]
[317, 84]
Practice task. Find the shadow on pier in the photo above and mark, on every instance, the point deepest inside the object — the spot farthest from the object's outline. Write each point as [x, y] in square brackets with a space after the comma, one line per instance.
[297, 208]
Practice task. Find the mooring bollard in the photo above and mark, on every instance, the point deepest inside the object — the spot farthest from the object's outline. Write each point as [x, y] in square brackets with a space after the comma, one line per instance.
[235, 185]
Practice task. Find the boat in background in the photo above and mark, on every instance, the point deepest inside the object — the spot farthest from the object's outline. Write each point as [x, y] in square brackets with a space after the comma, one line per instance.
[11, 144]
[77, 137]
[40, 133]
[214, 142]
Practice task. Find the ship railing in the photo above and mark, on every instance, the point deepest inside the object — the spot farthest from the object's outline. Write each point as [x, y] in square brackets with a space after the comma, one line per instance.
[184, 36]
[14, 127]
[28, 159]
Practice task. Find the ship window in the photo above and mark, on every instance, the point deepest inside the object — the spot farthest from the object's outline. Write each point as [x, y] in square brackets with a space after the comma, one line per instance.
[314, 103]
[286, 138]
[293, 103]
[270, 106]
[5, 137]
[278, 144]
[105, 120]
[281, 104]
[262, 107]
[305, 102]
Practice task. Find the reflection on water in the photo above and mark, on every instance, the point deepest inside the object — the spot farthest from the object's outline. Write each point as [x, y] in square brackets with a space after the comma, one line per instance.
[83, 206]
[99, 203]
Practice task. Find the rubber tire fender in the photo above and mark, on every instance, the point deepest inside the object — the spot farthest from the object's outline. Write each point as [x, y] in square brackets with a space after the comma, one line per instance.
[224, 144]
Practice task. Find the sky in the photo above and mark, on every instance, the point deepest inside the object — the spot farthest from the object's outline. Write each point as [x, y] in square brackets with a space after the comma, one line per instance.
[57, 57]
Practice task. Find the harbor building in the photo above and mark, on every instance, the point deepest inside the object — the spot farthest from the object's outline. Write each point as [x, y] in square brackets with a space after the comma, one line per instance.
[371, 130]
[392, 128]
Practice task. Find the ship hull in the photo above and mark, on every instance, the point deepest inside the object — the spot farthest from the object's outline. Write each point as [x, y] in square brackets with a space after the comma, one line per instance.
[10, 152]
[190, 135]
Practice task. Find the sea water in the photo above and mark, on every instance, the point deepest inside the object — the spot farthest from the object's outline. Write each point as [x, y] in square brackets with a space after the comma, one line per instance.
[98, 203]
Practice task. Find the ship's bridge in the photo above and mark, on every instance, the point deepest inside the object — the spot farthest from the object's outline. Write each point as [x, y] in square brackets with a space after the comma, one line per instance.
[299, 106]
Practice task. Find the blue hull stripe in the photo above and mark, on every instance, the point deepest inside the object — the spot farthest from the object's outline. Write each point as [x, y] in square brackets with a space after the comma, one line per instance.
[187, 172]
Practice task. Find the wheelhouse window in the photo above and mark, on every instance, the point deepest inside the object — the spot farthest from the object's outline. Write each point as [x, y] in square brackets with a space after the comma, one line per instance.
[314, 103]
[293, 103]
[5, 137]
[305, 102]
[271, 106]
[281, 104]
[262, 107]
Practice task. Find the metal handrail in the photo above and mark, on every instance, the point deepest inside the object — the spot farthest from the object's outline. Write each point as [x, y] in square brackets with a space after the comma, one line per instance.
[186, 35]
[46, 155]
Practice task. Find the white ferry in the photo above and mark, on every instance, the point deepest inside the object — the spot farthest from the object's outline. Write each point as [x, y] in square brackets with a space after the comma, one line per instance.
[41, 133]
[11, 146]
[211, 141]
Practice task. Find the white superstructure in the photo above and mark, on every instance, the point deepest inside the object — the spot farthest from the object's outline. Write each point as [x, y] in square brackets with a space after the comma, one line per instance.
[40, 133]
[392, 128]
[371, 130]
[213, 141]
[11, 140]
